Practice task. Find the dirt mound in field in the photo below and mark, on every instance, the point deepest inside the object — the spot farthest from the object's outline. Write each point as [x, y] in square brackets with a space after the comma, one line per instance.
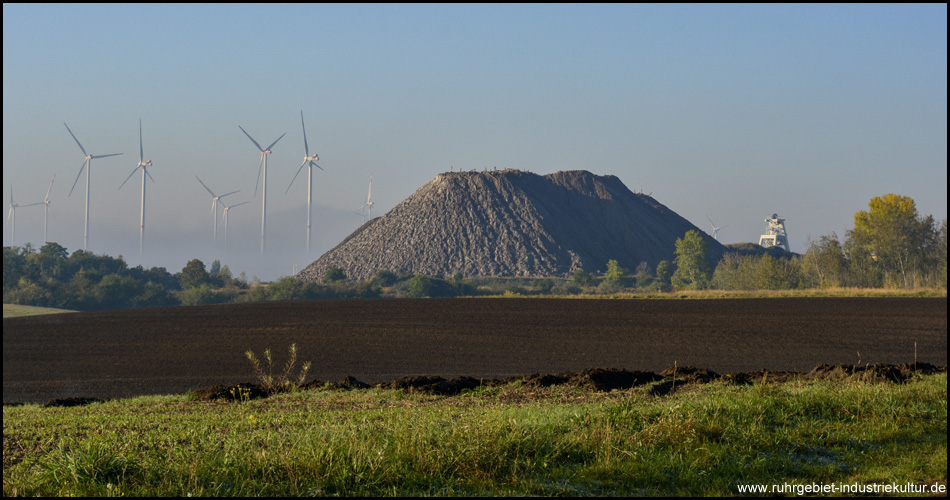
[235, 392]
[68, 402]
[595, 379]
[512, 223]
[872, 373]
[609, 379]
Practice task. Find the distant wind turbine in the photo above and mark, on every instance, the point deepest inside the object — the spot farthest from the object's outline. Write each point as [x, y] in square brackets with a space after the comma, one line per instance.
[144, 166]
[368, 206]
[88, 166]
[45, 202]
[714, 228]
[11, 216]
[263, 166]
[215, 199]
[309, 162]
[226, 210]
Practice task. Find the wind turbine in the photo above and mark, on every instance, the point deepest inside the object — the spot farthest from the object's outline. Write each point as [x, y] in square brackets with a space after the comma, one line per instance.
[714, 228]
[309, 162]
[215, 199]
[11, 216]
[144, 166]
[226, 209]
[88, 166]
[45, 202]
[263, 165]
[368, 206]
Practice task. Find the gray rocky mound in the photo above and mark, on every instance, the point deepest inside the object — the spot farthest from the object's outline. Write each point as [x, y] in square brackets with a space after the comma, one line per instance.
[512, 223]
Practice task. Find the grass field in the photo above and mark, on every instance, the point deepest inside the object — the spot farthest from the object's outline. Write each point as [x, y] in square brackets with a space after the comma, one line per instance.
[505, 440]
[14, 310]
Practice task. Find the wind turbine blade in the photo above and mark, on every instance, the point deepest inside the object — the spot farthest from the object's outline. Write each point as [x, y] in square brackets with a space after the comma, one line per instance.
[251, 138]
[51, 213]
[239, 204]
[141, 151]
[31, 204]
[148, 174]
[129, 177]
[211, 212]
[275, 142]
[77, 140]
[232, 192]
[50, 188]
[369, 196]
[10, 213]
[306, 148]
[77, 177]
[295, 176]
[318, 166]
[203, 185]
[105, 156]
[259, 167]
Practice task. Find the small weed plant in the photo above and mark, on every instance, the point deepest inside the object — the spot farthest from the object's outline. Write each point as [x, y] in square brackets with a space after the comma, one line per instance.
[282, 381]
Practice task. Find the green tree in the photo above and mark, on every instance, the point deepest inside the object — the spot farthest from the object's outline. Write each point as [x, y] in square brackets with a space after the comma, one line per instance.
[824, 264]
[892, 237]
[582, 278]
[333, 274]
[385, 278]
[615, 273]
[776, 274]
[286, 288]
[735, 272]
[692, 271]
[194, 275]
[419, 286]
[664, 270]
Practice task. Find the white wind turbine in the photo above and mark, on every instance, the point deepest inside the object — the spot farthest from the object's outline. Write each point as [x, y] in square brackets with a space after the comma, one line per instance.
[11, 216]
[714, 228]
[88, 166]
[309, 162]
[226, 210]
[368, 206]
[263, 165]
[215, 199]
[144, 166]
[45, 202]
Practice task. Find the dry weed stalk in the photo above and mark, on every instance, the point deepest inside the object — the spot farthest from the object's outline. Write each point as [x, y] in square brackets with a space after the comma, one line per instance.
[281, 381]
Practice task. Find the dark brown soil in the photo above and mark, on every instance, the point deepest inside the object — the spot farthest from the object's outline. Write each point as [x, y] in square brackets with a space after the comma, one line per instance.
[450, 344]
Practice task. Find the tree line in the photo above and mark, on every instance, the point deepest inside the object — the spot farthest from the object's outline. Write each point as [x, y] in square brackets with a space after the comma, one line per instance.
[891, 246]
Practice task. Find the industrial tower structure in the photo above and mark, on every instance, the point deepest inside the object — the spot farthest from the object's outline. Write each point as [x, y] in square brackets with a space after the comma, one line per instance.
[775, 234]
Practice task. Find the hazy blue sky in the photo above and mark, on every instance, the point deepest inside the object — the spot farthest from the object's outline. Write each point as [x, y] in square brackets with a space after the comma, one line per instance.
[732, 112]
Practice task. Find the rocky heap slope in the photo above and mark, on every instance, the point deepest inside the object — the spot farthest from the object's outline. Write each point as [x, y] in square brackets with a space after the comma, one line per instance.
[512, 223]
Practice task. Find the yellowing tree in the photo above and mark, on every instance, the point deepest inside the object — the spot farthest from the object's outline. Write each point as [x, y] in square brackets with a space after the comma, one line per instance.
[890, 242]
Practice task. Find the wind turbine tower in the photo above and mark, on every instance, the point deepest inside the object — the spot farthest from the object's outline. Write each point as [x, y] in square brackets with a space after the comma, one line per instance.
[45, 202]
[215, 199]
[226, 210]
[87, 164]
[144, 166]
[263, 166]
[11, 216]
[714, 228]
[368, 206]
[309, 162]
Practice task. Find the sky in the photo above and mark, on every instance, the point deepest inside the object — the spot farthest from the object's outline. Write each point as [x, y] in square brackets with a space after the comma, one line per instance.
[728, 113]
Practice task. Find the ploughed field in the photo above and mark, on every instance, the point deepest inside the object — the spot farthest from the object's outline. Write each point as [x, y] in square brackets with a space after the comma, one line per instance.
[114, 354]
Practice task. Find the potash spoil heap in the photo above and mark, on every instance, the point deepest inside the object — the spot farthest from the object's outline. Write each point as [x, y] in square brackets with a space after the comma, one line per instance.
[512, 223]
